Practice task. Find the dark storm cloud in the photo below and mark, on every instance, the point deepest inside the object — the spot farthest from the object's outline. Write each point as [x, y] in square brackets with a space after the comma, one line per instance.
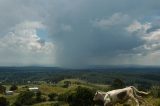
[13, 12]
[98, 29]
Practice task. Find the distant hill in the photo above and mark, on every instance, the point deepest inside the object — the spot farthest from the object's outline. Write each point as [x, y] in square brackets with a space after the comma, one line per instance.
[102, 75]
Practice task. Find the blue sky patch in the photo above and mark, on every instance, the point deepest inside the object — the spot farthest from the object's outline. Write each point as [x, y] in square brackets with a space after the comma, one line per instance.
[43, 34]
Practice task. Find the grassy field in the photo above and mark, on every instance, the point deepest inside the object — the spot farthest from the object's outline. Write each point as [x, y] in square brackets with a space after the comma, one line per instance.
[59, 89]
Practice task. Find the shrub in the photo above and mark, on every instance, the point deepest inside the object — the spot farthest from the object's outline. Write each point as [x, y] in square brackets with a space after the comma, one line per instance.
[155, 91]
[25, 98]
[118, 83]
[2, 89]
[3, 101]
[82, 97]
[39, 97]
[63, 97]
[66, 84]
[56, 104]
[52, 96]
[13, 88]
[157, 103]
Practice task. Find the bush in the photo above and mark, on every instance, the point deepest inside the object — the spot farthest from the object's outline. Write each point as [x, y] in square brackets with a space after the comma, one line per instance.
[56, 104]
[52, 96]
[13, 88]
[39, 97]
[82, 97]
[67, 84]
[3, 101]
[157, 103]
[117, 84]
[63, 97]
[155, 91]
[25, 98]
[2, 89]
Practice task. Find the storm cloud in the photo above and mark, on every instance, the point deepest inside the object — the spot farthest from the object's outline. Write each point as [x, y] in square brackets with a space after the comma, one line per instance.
[101, 32]
[81, 33]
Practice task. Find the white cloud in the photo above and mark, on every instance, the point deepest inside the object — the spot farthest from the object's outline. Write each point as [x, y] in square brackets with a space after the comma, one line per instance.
[24, 36]
[23, 41]
[152, 41]
[115, 19]
[153, 36]
[151, 46]
[138, 27]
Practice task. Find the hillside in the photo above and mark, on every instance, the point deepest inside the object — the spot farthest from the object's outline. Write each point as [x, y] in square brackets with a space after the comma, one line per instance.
[143, 76]
[63, 87]
[63, 84]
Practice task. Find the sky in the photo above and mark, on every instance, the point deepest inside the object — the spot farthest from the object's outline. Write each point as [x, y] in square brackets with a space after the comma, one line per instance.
[79, 33]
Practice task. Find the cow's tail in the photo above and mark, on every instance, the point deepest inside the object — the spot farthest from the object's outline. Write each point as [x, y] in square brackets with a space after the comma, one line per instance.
[140, 99]
[139, 92]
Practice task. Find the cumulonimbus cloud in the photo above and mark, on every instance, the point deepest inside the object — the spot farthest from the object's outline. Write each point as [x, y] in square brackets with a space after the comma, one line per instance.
[84, 32]
[101, 31]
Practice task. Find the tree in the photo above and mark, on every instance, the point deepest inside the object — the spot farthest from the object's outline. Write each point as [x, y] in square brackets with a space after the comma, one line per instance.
[67, 84]
[39, 97]
[25, 98]
[82, 97]
[2, 89]
[3, 101]
[117, 84]
[13, 88]
[52, 96]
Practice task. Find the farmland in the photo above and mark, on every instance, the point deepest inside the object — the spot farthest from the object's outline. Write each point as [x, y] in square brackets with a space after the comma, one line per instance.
[63, 83]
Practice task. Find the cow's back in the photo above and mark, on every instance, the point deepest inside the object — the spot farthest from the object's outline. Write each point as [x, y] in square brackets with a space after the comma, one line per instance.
[119, 95]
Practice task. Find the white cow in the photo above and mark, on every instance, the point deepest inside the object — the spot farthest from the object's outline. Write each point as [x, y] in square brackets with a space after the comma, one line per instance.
[121, 96]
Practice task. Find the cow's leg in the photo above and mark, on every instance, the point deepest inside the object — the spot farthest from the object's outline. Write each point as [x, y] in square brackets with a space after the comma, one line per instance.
[105, 104]
[135, 100]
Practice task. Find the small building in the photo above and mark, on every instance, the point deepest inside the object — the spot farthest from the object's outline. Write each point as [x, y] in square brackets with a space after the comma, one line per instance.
[34, 89]
[28, 82]
[9, 92]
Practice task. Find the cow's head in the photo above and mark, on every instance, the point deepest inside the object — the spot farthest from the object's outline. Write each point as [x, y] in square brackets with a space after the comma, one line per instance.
[98, 96]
